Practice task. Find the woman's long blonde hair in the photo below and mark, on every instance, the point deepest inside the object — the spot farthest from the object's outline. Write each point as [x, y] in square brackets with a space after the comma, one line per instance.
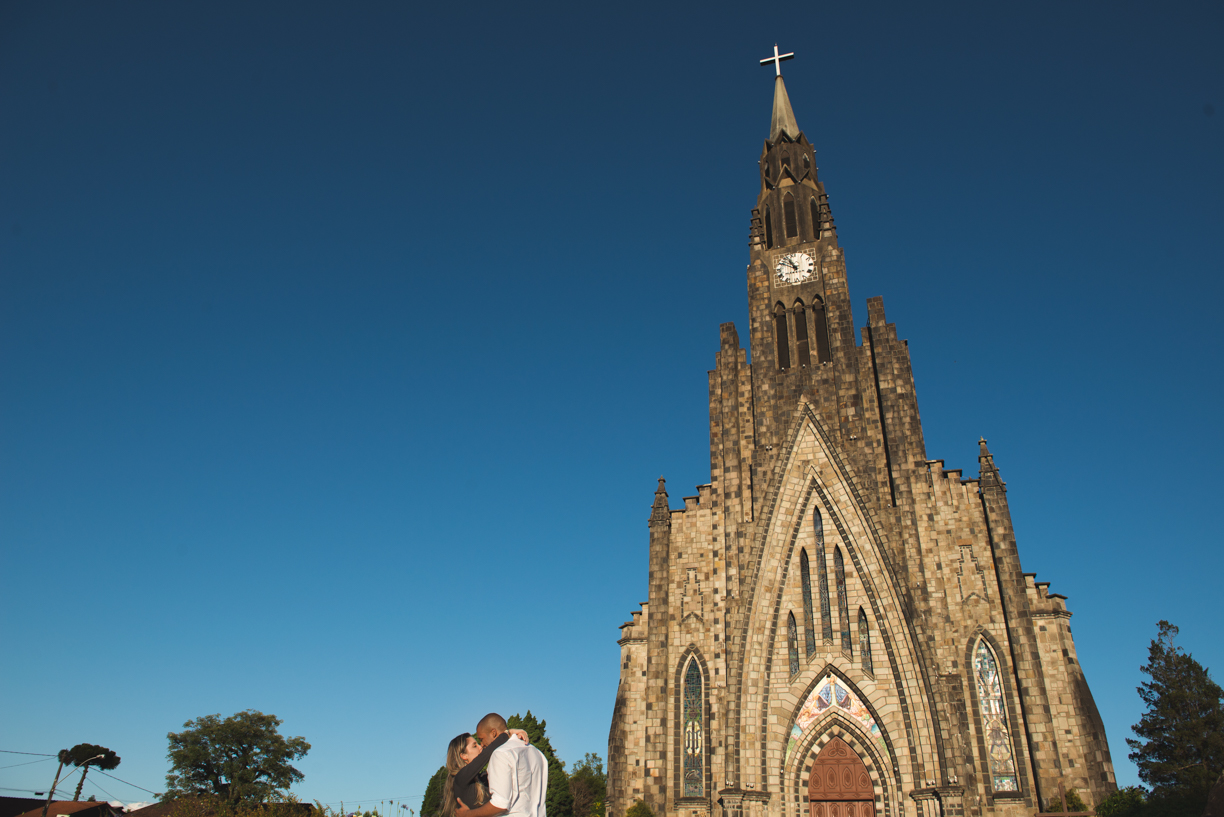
[453, 764]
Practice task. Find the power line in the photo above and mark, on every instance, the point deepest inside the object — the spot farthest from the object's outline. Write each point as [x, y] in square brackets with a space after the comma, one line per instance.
[94, 783]
[27, 763]
[35, 791]
[11, 752]
[121, 780]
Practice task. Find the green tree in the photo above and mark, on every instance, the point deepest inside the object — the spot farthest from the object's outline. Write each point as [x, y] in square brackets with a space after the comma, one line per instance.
[242, 759]
[639, 809]
[84, 755]
[1072, 802]
[431, 804]
[558, 801]
[1180, 746]
[588, 786]
[1130, 801]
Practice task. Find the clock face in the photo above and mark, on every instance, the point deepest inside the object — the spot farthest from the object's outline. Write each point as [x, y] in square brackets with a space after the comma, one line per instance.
[795, 268]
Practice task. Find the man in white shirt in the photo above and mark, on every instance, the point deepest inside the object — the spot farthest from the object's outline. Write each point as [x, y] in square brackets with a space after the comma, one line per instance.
[518, 775]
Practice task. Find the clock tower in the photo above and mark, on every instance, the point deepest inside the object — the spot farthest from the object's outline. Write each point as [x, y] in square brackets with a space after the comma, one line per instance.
[836, 625]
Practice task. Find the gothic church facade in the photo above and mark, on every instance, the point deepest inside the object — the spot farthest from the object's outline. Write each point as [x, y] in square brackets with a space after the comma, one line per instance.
[838, 626]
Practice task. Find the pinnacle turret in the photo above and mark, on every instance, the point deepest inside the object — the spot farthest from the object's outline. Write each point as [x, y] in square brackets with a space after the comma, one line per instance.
[660, 511]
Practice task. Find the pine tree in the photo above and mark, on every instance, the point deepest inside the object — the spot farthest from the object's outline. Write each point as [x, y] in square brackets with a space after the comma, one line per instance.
[1180, 750]
[431, 803]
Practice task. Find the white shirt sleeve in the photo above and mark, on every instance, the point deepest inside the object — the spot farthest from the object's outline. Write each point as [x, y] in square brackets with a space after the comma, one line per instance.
[501, 778]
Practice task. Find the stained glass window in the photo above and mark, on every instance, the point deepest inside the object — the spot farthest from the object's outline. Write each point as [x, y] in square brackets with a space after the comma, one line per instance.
[843, 604]
[865, 641]
[994, 720]
[822, 573]
[694, 732]
[792, 643]
[809, 626]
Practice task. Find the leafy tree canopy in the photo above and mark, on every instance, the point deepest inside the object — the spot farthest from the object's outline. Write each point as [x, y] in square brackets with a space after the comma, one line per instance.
[432, 802]
[639, 809]
[1180, 746]
[242, 759]
[1130, 801]
[588, 786]
[89, 754]
[1071, 802]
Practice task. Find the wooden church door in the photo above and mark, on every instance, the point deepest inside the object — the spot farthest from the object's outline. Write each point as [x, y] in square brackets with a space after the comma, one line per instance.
[839, 785]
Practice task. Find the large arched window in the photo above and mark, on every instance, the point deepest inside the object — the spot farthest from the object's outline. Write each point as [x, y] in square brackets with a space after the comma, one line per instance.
[694, 730]
[809, 625]
[843, 603]
[994, 720]
[788, 216]
[783, 337]
[822, 573]
[769, 242]
[792, 643]
[815, 209]
[822, 332]
[803, 358]
[865, 641]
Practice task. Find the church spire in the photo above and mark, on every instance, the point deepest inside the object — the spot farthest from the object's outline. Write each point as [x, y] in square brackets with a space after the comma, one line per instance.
[783, 116]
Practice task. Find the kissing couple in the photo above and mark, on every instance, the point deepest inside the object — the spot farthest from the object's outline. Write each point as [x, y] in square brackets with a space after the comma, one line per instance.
[514, 784]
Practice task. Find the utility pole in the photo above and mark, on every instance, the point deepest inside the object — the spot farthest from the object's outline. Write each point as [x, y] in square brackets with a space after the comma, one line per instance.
[63, 756]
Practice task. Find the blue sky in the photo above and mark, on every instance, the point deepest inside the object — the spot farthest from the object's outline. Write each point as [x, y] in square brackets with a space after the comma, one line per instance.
[341, 344]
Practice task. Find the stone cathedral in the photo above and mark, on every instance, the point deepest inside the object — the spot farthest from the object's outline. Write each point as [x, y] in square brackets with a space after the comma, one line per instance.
[838, 626]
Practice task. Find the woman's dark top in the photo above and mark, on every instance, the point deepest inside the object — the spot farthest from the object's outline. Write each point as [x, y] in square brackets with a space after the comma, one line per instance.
[465, 779]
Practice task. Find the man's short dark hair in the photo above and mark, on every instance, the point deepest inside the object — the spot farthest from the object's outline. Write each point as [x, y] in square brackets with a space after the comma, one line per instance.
[491, 721]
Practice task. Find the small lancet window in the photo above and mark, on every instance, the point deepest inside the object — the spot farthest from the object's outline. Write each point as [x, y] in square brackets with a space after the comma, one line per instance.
[807, 163]
[822, 573]
[997, 736]
[821, 327]
[788, 216]
[782, 336]
[785, 160]
[792, 643]
[801, 335]
[694, 731]
[865, 641]
[769, 242]
[809, 624]
[843, 603]
[815, 208]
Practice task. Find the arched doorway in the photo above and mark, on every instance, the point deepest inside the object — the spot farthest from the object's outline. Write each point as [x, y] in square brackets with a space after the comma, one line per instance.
[839, 785]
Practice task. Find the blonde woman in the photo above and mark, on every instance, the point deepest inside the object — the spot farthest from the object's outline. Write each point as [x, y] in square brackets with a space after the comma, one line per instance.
[465, 763]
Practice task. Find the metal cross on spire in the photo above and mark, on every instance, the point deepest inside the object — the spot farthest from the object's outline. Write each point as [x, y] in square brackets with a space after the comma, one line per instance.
[777, 59]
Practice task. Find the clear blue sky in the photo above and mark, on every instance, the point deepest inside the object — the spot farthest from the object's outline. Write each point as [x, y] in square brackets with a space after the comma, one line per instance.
[341, 344]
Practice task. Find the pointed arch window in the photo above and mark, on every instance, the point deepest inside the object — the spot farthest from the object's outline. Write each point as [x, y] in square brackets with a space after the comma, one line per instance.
[769, 242]
[785, 160]
[802, 356]
[809, 625]
[821, 326]
[822, 573]
[864, 629]
[783, 337]
[997, 736]
[694, 730]
[843, 603]
[815, 208]
[788, 216]
[792, 643]
[806, 162]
